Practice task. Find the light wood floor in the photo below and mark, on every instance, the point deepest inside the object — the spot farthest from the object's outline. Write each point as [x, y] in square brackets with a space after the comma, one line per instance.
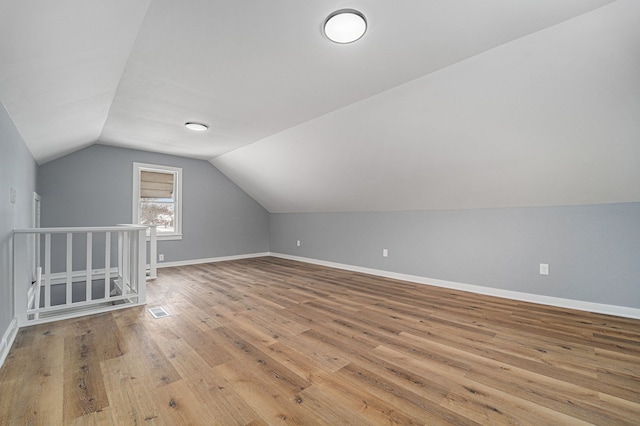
[271, 341]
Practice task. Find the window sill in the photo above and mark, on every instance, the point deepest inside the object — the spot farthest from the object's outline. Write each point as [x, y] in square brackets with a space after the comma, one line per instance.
[167, 237]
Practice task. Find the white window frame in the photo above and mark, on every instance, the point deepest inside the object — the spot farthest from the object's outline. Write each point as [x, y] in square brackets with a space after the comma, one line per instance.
[138, 168]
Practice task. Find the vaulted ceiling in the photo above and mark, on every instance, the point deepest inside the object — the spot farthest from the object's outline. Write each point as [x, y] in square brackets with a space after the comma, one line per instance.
[442, 104]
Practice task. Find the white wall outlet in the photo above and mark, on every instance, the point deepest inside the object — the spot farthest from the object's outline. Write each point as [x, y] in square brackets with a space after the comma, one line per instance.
[161, 257]
[298, 243]
[385, 253]
[12, 195]
[544, 269]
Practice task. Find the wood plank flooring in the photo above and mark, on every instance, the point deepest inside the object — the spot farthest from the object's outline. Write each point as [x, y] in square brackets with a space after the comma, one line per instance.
[272, 341]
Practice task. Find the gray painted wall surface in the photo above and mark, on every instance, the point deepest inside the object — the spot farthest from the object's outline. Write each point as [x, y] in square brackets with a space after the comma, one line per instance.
[93, 187]
[593, 251]
[17, 170]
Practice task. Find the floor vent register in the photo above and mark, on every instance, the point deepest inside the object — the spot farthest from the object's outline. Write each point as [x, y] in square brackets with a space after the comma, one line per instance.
[158, 312]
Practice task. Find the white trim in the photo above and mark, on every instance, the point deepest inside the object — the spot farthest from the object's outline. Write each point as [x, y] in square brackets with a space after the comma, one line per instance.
[161, 237]
[7, 340]
[35, 222]
[35, 210]
[601, 308]
[79, 229]
[137, 169]
[81, 313]
[82, 305]
[211, 260]
[80, 275]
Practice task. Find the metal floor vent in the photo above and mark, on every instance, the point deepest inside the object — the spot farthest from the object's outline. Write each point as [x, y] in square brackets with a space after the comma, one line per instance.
[158, 312]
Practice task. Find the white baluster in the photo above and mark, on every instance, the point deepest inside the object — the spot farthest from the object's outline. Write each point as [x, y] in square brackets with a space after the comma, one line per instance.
[107, 265]
[89, 279]
[120, 257]
[69, 268]
[36, 302]
[47, 270]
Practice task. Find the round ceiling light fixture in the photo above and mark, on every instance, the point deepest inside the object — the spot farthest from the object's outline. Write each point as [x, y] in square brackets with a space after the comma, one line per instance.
[196, 127]
[345, 26]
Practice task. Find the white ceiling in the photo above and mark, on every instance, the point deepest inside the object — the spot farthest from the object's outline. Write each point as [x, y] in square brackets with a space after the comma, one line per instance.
[60, 65]
[456, 104]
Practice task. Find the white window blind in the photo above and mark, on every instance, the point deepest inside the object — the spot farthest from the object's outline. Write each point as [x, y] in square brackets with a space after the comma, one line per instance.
[156, 185]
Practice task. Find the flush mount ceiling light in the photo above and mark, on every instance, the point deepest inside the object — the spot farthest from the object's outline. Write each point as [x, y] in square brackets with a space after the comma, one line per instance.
[196, 127]
[345, 26]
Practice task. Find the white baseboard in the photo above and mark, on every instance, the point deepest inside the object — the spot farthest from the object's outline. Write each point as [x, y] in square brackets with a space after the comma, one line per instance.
[7, 340]
[620, 311]
[211, 260]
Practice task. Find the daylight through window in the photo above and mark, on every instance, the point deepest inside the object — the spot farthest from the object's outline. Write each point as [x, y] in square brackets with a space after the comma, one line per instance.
[157, 198]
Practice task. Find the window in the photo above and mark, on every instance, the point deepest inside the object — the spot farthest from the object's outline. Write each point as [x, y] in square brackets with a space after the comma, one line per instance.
[157, 198]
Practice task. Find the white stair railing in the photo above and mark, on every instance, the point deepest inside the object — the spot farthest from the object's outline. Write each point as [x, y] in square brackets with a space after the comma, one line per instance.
[152, 238]
[126, 271]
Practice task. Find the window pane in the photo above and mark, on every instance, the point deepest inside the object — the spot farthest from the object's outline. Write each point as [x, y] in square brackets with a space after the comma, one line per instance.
[157, 198]
[158, 213]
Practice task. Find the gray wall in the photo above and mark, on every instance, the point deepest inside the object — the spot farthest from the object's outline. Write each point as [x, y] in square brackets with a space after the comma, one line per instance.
[17, 170]
[593, 251]
[93, 187]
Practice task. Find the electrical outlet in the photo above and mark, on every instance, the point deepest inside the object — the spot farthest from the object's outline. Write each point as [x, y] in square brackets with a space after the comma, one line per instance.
[298, 243]
[161, 258]
[544, 269]
[385, 253]
[12, 195]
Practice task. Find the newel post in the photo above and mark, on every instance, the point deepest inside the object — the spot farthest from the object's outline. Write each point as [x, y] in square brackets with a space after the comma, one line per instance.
[153, 251]
[21, 277]
[142, 265]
